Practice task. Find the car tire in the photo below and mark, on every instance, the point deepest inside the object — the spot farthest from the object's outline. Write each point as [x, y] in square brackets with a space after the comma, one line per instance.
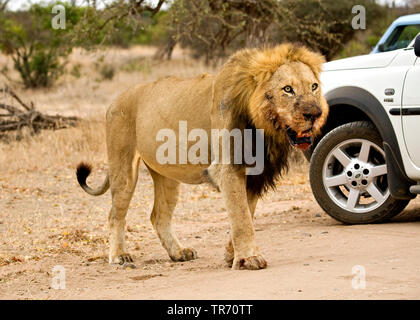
[348, 175]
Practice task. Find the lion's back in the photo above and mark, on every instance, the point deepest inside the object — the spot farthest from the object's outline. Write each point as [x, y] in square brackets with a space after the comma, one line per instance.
[176, 97]
[171, 94]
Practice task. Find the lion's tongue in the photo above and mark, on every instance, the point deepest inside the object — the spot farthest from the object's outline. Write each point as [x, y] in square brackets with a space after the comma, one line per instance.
[303, 146]
[304, 140]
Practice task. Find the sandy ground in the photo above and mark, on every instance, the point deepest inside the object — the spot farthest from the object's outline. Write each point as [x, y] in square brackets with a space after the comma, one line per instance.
[46, 221]
[52, 222]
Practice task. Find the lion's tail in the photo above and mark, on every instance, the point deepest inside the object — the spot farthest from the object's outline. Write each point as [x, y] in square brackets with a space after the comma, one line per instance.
[83, 171]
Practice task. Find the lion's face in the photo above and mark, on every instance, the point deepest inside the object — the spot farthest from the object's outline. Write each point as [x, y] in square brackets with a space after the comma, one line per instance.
[291, 102]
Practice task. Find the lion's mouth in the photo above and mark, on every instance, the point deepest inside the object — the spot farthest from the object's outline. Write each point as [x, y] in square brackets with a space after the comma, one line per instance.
[301, 141]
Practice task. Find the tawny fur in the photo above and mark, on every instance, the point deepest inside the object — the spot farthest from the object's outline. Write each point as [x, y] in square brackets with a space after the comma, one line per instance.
[247, 93]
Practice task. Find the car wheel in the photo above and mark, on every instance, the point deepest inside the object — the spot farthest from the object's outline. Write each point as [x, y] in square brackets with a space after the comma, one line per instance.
[348, 175]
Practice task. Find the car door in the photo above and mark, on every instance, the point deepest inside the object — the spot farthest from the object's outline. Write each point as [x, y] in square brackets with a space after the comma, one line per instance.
[410, 112]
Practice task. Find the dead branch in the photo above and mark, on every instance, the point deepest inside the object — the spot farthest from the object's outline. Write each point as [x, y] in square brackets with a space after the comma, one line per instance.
[16, 117]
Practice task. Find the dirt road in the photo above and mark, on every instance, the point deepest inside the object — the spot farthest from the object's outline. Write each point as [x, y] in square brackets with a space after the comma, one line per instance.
[52, 222]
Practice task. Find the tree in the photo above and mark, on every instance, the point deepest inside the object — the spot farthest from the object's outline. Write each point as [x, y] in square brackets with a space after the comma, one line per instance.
[99, 26]
[210, 27]
[215, 28]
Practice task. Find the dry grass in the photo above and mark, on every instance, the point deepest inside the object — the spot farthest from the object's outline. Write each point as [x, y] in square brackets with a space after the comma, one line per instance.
[62, 148]
[85, 93]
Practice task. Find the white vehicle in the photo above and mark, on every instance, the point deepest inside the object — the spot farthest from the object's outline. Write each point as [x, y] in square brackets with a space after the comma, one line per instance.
[365, 167]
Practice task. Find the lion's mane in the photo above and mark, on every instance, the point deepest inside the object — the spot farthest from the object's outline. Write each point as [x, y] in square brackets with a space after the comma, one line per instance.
[243, 76]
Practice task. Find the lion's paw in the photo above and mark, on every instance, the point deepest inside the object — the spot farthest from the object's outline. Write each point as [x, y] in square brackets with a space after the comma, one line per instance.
[250, 263]
[124, 260]
[185, 254]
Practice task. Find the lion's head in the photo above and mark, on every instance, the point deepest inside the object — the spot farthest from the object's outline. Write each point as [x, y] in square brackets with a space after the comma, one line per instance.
[279, 88]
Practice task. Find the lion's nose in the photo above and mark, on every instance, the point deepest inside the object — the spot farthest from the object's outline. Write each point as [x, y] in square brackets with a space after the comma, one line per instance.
[313, 115]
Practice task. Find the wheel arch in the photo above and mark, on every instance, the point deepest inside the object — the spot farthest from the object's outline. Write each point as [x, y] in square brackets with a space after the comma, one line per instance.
[348, 104]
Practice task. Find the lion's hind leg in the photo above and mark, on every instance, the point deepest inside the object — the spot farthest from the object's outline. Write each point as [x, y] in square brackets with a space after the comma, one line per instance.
[124, 162]
[166, 196]
[123, 183]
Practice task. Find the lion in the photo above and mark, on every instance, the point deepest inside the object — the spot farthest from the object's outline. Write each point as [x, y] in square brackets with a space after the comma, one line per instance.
[274, 89]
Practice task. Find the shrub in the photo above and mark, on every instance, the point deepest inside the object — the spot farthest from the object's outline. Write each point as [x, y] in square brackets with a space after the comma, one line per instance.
[38, 51]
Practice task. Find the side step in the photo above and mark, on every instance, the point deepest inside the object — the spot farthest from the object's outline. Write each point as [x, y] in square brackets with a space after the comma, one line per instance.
[415, 189]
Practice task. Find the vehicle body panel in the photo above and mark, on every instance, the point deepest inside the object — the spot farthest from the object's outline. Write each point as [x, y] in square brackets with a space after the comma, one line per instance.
[379, 82]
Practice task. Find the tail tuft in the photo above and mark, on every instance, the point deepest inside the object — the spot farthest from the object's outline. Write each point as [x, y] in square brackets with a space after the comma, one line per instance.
[82, 172]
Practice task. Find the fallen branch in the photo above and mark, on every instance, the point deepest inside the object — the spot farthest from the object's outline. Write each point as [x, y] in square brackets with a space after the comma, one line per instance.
[14, 118]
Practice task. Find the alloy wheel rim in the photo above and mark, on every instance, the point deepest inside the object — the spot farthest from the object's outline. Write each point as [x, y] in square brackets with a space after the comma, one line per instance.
[355, 175]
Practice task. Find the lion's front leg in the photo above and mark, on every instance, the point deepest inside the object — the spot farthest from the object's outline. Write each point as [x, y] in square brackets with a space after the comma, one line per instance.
[229, 252]
[245, 251]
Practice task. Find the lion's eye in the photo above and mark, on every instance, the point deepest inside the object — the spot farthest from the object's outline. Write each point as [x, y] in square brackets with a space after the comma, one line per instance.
[288, 89]
[268, 96]
[314, 86]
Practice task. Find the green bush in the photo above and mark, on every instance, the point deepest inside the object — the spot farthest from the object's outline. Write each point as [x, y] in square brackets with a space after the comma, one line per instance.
[38, 51]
